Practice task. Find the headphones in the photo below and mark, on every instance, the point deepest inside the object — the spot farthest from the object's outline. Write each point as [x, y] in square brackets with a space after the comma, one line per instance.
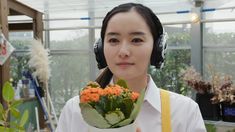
[157, 56]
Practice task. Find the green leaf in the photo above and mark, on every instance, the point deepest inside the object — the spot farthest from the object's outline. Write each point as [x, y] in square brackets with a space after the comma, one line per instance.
[8, 92]
[22, 129]
[1, 111]
[12, 130]
[15, 112]
[122, 83]
[3, 129]
[14, 124]
[16, 103]
[127, 107]
[1, 122]
[123, 123]
[92, 117]
[1, 108]
[24, 118]
[114, 117]
[99, 109]
[137, 105]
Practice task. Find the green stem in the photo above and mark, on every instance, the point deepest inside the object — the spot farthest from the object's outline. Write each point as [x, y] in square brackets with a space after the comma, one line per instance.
[5, 116]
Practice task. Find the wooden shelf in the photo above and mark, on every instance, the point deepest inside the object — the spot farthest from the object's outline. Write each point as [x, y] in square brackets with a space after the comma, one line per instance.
[15, 7]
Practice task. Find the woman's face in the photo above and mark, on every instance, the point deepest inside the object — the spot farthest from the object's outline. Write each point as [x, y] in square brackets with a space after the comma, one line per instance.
[128, 45]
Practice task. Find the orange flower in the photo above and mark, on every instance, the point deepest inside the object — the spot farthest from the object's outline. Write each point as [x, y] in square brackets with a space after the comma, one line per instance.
[92, 94]
[113, 90]
[95, 97]
[134, 95]
[84, 99]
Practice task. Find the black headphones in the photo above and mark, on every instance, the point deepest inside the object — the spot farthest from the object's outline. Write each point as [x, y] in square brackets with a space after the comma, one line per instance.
[157, 56]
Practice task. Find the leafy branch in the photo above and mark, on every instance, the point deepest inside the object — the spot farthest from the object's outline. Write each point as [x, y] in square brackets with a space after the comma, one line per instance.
[11, 110]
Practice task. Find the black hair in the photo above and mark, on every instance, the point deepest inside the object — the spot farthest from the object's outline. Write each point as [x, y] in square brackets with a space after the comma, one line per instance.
[150, 18]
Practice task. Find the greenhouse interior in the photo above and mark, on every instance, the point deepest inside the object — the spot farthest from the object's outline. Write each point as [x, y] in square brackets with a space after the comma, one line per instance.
[52, 53]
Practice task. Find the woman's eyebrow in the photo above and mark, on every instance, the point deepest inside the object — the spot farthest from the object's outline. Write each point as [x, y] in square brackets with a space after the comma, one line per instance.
[112, 33]
[131, 33]
[137, 33]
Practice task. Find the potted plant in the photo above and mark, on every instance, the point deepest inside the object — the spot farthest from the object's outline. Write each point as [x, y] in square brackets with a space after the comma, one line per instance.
[225, 94]
[205, 92]
[10, 109]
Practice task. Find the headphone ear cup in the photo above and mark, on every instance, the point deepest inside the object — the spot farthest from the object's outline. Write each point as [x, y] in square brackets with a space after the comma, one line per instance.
[159, 51]
[99, 54]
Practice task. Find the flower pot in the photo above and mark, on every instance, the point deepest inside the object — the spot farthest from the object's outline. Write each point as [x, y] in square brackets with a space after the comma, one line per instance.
[208, 110]
[228, 112]
[129, 128]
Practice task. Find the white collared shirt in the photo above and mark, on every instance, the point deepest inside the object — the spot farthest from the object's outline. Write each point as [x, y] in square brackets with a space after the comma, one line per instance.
[185, 114]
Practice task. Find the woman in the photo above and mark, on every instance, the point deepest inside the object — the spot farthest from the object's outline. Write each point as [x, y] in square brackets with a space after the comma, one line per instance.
[132, 37]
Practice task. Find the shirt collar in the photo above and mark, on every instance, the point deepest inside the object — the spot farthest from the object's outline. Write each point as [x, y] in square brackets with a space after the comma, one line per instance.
[152, 94]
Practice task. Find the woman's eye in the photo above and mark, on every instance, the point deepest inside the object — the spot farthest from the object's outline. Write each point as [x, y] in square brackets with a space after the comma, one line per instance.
[113, 40]
[137, 40]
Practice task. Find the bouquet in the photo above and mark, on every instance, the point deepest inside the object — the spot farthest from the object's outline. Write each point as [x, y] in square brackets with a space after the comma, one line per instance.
[113, 108]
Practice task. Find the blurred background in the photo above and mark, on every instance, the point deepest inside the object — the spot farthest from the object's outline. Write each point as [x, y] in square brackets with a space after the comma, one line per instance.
[201, 32]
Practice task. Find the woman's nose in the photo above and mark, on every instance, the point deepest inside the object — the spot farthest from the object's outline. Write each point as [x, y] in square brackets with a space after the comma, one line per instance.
[124, 50]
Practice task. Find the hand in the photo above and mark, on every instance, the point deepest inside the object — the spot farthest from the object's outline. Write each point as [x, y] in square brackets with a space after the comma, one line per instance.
[138, 130]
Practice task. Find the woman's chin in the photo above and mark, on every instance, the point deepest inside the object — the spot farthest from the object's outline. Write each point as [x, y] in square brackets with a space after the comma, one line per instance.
[124, 75]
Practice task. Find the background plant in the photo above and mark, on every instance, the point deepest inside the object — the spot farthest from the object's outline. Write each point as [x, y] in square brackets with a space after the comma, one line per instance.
[11, 110]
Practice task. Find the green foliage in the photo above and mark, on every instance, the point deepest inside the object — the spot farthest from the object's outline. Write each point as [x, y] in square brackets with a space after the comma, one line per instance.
[69, 73]
[24, 118]
[11, 104]
[232, 130]
[122, 83]
[126, 106]
[169, 76]
[15, 112]
[21, 44]
[219, 39]
[19, 61]
[179, 39]
[8, 92]
[138, 104]
[176, 59]
[114, 117]
[92, 117]
[210, 128]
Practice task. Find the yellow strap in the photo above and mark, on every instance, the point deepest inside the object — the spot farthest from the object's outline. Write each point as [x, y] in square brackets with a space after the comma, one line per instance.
[166, 112]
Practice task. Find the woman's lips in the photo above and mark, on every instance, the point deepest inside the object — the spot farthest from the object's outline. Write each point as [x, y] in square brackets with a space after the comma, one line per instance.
[124, 65]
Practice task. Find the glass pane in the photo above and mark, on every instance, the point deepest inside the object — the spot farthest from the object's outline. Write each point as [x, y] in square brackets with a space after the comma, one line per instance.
[68, 12]
[220, 14]
[178, 35]
[21, 40]
[169, 5]
[68, 23]
[219, 34]
[174, 17]
[218, 3]
[69, 40]
[222, 61]
[169, 76]
[18, 63]
[69, 73]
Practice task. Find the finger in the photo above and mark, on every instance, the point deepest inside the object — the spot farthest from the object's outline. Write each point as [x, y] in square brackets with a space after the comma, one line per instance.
[138, 130]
